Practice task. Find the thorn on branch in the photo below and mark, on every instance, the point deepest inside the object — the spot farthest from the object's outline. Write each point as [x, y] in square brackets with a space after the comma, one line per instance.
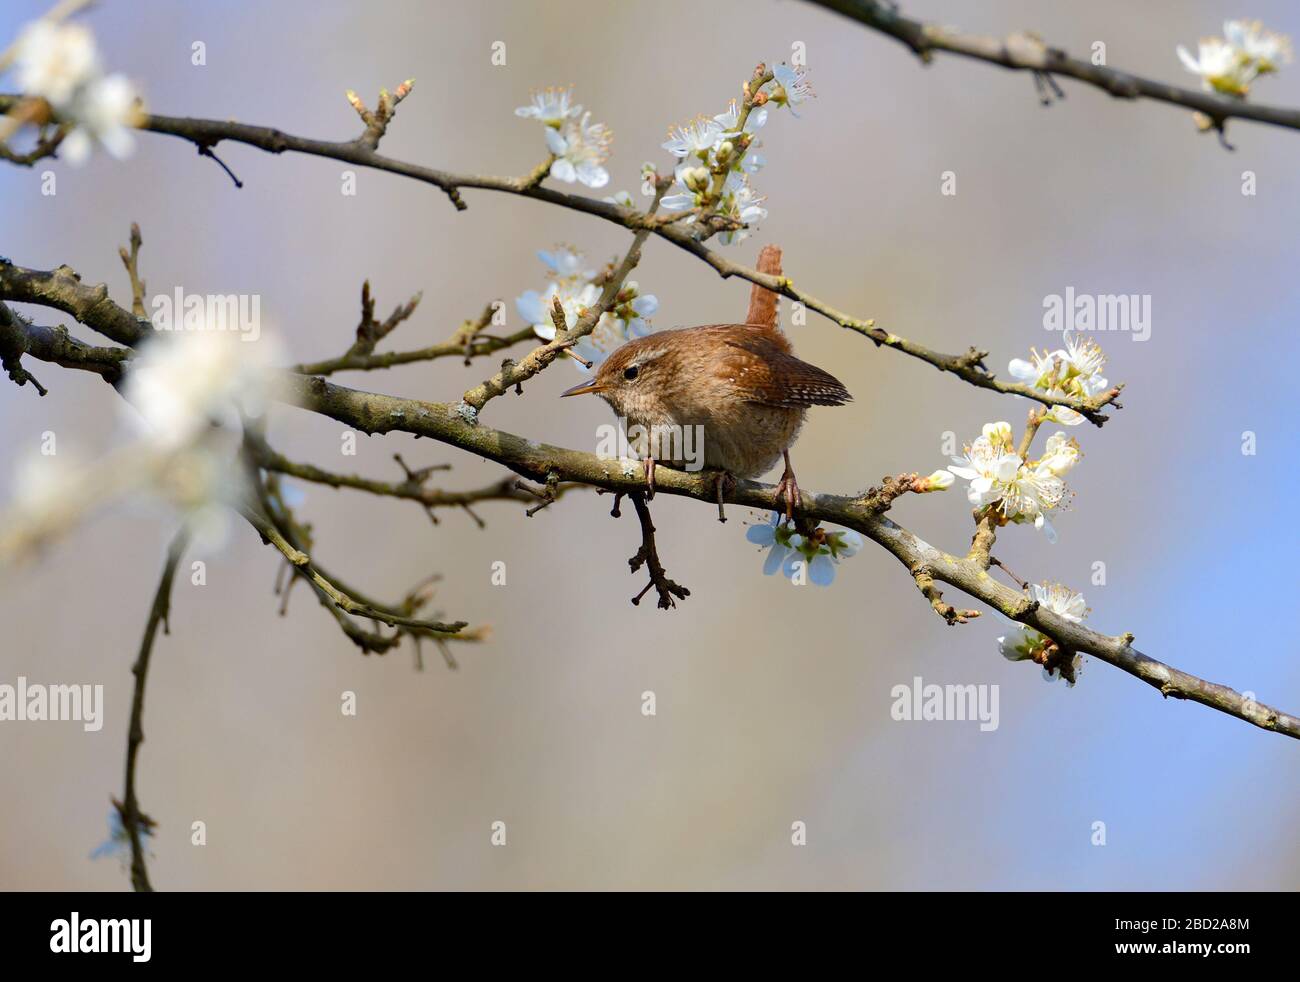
[994, 561]
[648, 556]
[205, 150]
[614, 512]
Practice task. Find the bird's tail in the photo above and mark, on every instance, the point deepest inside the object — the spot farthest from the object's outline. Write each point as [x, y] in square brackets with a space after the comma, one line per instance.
[763, 302]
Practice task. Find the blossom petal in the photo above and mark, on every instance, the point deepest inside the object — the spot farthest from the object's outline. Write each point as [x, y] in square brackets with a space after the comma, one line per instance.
[821, 571]
[556, 143]
[562, 170]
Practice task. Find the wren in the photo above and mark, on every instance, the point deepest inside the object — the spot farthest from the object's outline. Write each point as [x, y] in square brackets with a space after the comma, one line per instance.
[739, 383]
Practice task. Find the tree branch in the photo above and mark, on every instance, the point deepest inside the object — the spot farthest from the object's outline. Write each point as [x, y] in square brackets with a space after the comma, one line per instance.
[375, 413]
[969, 367]
[411, 489]
[1025, 52]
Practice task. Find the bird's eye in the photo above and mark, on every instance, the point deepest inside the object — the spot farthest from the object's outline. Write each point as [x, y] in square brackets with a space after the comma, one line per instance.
[630, 372]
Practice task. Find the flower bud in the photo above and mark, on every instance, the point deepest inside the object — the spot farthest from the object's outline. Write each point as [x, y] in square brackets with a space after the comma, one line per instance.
[696, 179]
[938, 481]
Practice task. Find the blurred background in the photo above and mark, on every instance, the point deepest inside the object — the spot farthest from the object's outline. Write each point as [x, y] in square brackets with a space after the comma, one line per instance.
[772, 700]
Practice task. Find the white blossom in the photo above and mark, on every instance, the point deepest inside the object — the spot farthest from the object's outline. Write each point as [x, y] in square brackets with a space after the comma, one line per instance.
[552, 106]
[1024, 643]
[791, 86]
[580, 148]
[1062, 454]
[730, 119]
[695, 138]
[1000, 478]
[1074, 371]
[564, 262]
[578, 291]
[575, 297]
[741, 203]
[820, 555]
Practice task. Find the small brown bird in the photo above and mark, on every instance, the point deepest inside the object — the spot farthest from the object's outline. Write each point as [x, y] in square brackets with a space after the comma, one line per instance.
[739, 384]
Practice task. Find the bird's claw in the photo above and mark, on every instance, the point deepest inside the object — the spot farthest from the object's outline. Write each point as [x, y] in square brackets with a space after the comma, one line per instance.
[788, 488]
[722, 484]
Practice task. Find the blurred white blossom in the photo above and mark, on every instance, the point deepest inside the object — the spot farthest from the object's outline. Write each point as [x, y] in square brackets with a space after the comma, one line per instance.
[1230, 64]
[54, 61]
[59, 63]
[1220, 67]
[183, 381]
[105, 114]
[1264, 49]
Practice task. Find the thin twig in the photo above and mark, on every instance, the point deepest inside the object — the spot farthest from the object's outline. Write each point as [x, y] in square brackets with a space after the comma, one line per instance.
[648, 556]
[133, 820]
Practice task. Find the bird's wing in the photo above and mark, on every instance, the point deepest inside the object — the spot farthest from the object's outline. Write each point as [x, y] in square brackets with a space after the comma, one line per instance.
[778, 378]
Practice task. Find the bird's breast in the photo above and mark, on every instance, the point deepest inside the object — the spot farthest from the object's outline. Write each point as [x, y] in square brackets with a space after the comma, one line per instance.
[743, 439]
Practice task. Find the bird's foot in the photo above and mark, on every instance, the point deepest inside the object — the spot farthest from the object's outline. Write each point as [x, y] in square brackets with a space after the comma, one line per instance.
[649, 464]
[788, 488]
[722, 485]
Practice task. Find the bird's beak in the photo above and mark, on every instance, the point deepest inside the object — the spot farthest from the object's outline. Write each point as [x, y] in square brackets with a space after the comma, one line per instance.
[582, 388]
